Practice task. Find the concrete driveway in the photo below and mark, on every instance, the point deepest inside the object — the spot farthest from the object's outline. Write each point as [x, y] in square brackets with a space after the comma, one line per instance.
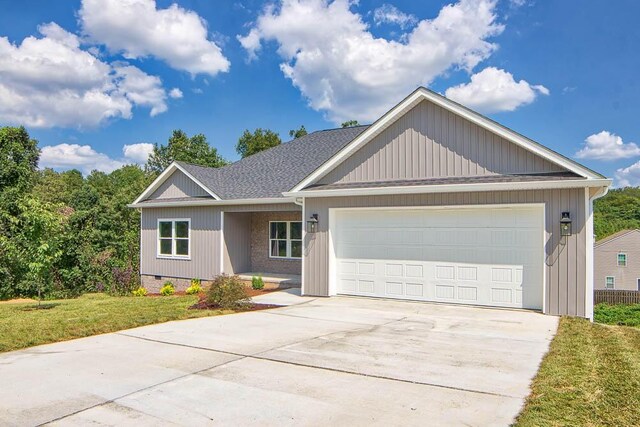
[341, 361]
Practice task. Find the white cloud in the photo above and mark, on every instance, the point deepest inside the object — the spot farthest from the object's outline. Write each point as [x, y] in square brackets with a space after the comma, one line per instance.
[492, 90]
[389, 14]
[628, 177]
[139, 153]
[175, 93]
[86, 159]
[51, 81]
[607, 146]
[141, 88]
[75, 156]
[341, 68]
[139, 29]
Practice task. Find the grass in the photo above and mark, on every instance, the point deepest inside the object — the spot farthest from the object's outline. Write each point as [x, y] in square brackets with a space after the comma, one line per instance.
[621, 314]
[590, 377]
[22, 326]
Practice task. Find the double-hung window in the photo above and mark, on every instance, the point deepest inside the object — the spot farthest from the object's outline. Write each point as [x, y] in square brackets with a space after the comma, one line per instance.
[609, 282]
[174, 238]
[622, 259]
[285, 239]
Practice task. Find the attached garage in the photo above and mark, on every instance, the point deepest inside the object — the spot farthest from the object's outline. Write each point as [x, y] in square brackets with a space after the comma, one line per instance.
[483, 255]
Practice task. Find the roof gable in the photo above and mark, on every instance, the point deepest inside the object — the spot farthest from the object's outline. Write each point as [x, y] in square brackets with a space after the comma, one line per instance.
[178, 185]
[422, 94]
[159, 184]
[429, 141]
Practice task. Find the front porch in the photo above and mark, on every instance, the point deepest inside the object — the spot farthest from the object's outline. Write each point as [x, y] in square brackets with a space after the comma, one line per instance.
[264, 243]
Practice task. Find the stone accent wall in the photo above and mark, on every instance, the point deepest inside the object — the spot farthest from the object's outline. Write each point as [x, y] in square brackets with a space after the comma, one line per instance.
[260, 261]
[153, 285]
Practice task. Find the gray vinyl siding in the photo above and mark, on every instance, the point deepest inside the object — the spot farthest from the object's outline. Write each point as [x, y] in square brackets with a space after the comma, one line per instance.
[237, 242]
[565, 269]
[178, 185]
[205, 238]
[606, 262]
[204, 244]
[431, 142]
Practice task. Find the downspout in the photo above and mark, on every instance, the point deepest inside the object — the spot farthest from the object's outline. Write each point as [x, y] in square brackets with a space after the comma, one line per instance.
[589, 294]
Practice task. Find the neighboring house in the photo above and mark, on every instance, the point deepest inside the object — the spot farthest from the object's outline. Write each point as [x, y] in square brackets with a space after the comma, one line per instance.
[617, 261]
[431, 202]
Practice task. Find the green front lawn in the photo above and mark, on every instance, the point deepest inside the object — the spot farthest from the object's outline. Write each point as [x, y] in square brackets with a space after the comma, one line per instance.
[590, 377]
[627, 315]
[22, 326]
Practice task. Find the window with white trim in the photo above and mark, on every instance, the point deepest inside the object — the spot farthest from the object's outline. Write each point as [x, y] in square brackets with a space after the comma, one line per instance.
[285, 239]
[174, 238]
[609, 282]
[622, 259]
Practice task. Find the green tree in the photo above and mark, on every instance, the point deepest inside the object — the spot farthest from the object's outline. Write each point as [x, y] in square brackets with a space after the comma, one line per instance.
[298, 133]
[260, 140]
[38, 244]
[18, 159]
[181, 147]
[350, 123]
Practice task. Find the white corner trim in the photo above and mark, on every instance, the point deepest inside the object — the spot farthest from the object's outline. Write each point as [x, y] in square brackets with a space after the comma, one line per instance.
[164, 176]
[476, 118]
[454, 188]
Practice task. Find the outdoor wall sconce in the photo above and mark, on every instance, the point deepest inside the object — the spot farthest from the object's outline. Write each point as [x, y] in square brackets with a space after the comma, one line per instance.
[312, 224]
[565, 224]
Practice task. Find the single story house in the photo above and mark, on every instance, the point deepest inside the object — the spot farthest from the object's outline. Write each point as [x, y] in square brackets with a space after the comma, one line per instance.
[431, 202]
[617, 261]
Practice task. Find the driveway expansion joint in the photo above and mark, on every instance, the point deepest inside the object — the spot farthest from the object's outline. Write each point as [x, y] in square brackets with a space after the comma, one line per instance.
[257, 356]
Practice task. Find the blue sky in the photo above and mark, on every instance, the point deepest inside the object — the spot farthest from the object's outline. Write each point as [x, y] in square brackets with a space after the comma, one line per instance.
[88, 77]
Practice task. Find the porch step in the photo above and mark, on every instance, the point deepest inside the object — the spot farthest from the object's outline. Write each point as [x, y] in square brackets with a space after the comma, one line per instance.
[273, 281]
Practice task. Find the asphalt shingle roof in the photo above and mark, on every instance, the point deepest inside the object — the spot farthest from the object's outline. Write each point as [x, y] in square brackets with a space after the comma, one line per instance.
[271, 172]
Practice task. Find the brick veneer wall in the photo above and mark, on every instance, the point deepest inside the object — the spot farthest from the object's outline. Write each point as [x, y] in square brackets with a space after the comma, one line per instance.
[260, 261]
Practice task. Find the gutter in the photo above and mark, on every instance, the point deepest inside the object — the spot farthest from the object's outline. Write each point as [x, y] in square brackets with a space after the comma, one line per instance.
[452, 188]
[210, 202]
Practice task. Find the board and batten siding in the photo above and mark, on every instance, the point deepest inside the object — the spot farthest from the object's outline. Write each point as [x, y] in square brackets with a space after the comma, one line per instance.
[204, 245]
[606, 262]
[178, 185]
[565, 258]
[431, 142]
[237, 242]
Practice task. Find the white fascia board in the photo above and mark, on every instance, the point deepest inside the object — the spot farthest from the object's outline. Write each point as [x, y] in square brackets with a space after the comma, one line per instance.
[452, 188]
[210, 202]
[423, 94]
[164, 176]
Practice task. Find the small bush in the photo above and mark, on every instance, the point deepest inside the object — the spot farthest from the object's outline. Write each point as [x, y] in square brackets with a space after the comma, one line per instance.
[140, 292]
[167, 289]
[227, 293]
[195, 287]
[257, 283]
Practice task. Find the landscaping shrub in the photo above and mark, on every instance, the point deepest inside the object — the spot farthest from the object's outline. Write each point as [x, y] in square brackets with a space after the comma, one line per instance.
[257, 283]
[140, 292]
[167, 289]
[195, 287]
[125, 280]
[228, 293]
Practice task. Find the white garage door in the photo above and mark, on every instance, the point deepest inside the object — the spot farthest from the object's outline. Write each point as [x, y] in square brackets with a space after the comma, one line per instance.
[483, 256]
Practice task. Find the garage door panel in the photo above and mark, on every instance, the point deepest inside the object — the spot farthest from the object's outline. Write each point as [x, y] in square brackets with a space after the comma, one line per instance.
[491, 257]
